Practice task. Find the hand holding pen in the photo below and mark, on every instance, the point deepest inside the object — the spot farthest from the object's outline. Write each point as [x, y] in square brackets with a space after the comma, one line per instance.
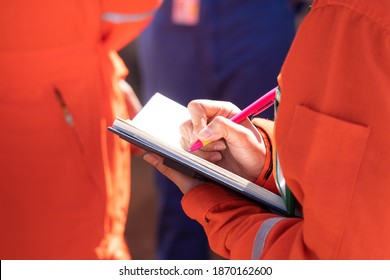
[255, 108]
[233, 142]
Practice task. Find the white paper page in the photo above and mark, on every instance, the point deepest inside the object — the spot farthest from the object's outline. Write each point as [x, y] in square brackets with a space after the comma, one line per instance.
[162, 117]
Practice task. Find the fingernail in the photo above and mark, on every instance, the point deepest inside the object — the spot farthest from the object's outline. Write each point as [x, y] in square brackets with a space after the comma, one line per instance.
[220, 146]
[216, 157]
[150, 159]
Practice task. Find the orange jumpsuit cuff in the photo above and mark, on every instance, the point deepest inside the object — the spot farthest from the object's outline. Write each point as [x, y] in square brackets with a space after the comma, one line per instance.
[266, 179]
[197, 205]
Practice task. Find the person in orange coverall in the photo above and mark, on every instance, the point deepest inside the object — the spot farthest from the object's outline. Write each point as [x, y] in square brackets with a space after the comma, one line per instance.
[330, 138]
[64, 179]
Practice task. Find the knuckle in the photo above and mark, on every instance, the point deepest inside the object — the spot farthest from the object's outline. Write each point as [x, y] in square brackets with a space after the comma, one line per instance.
[194, 104]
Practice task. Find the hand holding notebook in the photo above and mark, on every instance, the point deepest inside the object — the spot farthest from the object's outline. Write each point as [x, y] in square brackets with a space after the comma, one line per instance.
[150, 129]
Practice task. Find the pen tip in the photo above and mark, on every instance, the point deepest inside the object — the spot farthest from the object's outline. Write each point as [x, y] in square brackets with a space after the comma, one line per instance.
[197, 145]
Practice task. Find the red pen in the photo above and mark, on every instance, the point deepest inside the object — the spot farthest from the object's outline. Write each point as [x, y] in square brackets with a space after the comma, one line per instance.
[255, 108]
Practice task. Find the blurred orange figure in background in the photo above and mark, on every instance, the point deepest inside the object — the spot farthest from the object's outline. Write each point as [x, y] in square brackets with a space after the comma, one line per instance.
[65, 181]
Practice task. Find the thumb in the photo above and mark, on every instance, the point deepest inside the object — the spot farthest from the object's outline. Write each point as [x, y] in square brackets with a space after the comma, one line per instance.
[157, 162]
[220, 127]
[184, 182]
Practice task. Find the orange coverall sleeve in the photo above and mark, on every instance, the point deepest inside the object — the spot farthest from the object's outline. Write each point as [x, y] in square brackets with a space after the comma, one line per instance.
[333, 144]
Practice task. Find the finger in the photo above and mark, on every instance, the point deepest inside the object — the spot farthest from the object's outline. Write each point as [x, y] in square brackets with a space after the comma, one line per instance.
[218, 145]
[234, 134]
[213, 156]
[157, 162]
[186, 131]
[185, 183]
[202, 111]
